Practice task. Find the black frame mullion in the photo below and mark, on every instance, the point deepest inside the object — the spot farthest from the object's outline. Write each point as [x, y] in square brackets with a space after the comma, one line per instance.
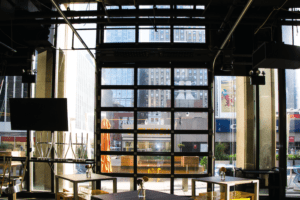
[135, 128]
[172, 130]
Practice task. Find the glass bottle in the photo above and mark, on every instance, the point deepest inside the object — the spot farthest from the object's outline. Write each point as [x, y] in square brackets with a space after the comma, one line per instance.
[222, 175]
[89, 172]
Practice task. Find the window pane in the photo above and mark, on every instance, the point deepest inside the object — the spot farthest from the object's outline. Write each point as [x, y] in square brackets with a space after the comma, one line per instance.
[117, 76]
[123, 185]
[154, 120]
[118, 141]
[158, 184]
[183, 186]
[119, 34]
[146, 6]
[190, 165]
[154, 142]
[191, 120]
[154, 76]
[159, 35]
[117, 164]
[189, 34]
[154, 164]
[112, 7]
[154, 98]
[191, 98]
[118, 119]
[117, 98]
[163, 6]
[88, 37]
[191, 143]
[128, 7]
[185, 6]
[190, 76]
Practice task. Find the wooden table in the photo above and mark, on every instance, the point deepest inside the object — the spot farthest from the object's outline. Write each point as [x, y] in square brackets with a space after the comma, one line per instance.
[80, 178]
[229, 181]
[132, 195]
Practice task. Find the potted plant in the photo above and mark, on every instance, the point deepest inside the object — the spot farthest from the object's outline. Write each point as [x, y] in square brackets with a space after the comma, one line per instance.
[180, 145]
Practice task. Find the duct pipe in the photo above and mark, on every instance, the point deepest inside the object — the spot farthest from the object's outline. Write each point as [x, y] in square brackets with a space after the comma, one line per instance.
[72, 27]
[13, 50]
[231, 32]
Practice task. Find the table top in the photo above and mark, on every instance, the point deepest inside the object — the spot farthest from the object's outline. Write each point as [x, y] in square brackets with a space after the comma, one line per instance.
[132, 195]
[229, 180]
[82, 177]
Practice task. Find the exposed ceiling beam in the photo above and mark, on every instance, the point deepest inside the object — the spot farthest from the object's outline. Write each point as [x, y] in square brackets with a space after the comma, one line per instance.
[128, 22]
[261, 3]
[149, 12]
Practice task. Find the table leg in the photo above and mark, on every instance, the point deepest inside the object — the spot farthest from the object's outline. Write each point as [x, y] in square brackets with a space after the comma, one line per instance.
[115, 185]
[227, 192]
[15, 170]
[56, 186]
[256, 190]
[290, 178]
[193, 187]
[75, 190]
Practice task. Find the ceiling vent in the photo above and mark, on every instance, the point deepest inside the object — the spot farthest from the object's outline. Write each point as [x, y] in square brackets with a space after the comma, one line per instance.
[272, 55]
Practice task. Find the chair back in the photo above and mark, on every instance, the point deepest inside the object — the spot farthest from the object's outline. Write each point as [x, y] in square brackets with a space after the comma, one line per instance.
[6, 169]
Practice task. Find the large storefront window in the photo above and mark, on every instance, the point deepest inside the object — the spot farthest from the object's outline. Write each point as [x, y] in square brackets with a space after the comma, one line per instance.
[154, 130]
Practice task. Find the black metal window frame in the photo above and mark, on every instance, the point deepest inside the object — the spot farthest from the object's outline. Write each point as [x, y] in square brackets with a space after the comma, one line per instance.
[172, 132]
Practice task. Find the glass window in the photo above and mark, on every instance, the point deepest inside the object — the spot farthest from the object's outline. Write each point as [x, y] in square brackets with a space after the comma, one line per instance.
[128, 7]
[191, 120]
[119, 34]
[185, 35]
[186, 79]
[117, 98]
[146, 34]
[145, 95]
[118, 119]
[191, 143]
[144, 75]
[189, 165]
[119, 164]
[185, 6]
[154, 142]
[117, 76]
[189, 99]
[154, 164]
[163, 121]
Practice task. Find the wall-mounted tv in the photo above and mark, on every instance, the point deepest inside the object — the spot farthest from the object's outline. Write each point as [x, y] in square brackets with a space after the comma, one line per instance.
[40, 114]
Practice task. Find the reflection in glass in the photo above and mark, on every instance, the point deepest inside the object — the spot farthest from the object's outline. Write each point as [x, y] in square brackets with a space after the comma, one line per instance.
[119, 164]
[119, 34]
[190, 165]
[190, 76]
[120, 142]
[154, 76]
[159, 35]
[117, 76]
[154, 120]
[117, 98]
[118, 119]
[191, 143]
[191, 120]
[154, 164]
[154, 143]
[154, 98]
[191, 98]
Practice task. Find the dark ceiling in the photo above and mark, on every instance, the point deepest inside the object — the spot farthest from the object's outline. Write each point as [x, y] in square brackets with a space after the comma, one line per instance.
[26, 26]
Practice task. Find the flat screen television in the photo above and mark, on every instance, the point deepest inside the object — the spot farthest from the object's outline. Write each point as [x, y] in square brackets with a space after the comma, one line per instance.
[40, 114]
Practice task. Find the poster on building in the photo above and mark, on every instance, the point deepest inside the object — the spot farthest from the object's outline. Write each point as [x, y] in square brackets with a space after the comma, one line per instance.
[228, 99]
